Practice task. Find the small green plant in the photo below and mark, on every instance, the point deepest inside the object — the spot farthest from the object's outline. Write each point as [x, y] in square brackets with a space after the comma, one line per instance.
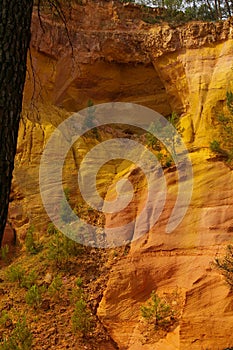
[158, 312]
[61, 249]
[164, 154]
[32, 247]
[4, 318]
[174, 119]
[151, 140]
[215, 146]
[229, 96]
[33, 296]
[77, 293]
[56, 286]
[20, 338]
[79, 282]
[4, 253]
[51, 229]
[28, 279]
[226, 265]
[168, 162]
[66, 213]
[15, 273]
[82, 320]
[224, 147]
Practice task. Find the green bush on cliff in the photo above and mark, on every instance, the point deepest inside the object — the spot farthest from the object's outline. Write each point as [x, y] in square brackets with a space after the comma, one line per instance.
[158, 312]
[226, 265]
[154, 144]
[224, 146]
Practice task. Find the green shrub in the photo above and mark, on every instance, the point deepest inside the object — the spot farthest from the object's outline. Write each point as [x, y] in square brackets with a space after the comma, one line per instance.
[82, 320]
[51, 229]
[226, 265]
[16, 273]
[168, 162]
[20, 338]
[158, 312]
[182, 11]
[79, 282]
[4, 318]
[33, 296]
[4, 253]
[32, 246]
[29, 279]
[215, 146]
[65, 211]
[224, 147]
[56, 286]
[61, 249]
[77, 293]
[153, 143]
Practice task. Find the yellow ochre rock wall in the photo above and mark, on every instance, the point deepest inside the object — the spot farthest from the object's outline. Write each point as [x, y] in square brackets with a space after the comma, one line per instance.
[115, 56]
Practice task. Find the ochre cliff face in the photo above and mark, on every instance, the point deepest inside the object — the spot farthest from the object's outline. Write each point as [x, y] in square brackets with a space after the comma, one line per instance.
[187, 69]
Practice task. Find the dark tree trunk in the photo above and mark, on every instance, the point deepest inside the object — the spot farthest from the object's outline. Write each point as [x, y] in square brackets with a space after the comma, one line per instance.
[212, 10]
[15, 22]
[219, 9]
[228, 8]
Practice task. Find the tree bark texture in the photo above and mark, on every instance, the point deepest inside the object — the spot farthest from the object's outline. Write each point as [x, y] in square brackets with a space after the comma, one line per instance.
[15, 23]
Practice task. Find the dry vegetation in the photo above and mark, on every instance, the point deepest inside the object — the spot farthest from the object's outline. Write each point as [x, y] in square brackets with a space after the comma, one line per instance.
[50, 300]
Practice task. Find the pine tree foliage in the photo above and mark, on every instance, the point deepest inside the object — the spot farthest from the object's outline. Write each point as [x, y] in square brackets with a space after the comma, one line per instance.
[194, 9]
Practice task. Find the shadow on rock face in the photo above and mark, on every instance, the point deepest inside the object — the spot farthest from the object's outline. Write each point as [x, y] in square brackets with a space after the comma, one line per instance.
[9, 237]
